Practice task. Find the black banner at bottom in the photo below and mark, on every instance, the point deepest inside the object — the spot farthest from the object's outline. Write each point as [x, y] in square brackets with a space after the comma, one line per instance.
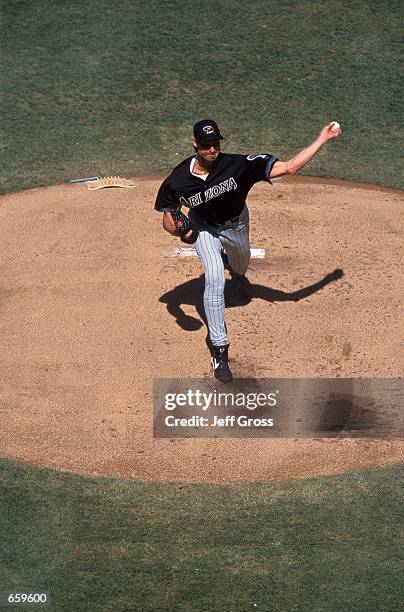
[278, 408]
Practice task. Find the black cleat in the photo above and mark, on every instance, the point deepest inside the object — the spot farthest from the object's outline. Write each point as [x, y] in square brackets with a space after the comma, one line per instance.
[220, 364]
[238, 291]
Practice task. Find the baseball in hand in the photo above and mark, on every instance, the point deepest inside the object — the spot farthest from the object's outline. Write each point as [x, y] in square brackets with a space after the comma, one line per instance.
[335, 126]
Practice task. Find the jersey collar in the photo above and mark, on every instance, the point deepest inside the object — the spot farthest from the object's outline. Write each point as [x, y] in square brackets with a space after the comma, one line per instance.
[208, 174]
[191, 169]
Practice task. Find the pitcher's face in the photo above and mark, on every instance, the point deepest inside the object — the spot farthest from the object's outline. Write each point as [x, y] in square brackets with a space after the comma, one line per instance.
[207, 150]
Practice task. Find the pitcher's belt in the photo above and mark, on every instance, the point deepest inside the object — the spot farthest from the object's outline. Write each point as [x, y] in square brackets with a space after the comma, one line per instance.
[228, 222]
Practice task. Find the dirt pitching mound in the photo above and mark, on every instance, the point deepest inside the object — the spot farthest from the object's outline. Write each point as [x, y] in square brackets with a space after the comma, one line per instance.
[94, 307]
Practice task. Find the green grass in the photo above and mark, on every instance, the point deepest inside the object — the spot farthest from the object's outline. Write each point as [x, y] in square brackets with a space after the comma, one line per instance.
[326, 544]
[110, 87]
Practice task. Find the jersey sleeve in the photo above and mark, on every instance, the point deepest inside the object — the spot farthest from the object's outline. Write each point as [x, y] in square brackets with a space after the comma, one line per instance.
[166, 200]
[259, 166]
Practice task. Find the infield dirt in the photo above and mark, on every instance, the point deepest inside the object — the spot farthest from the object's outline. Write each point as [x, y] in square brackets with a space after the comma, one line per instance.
[94, 307]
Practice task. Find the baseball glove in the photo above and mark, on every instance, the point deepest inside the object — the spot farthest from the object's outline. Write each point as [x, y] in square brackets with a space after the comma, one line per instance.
[184, 225]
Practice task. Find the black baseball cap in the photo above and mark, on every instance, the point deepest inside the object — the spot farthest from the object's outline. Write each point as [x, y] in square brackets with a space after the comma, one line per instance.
[207, 130]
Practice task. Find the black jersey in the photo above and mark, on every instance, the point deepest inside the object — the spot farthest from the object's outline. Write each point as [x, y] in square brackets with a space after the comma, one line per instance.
[223, 194]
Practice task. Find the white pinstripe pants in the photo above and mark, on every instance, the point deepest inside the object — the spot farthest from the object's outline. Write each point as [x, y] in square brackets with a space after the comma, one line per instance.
[234, 239]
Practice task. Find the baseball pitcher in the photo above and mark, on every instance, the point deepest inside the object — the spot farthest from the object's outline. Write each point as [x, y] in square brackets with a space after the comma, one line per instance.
[213, 186]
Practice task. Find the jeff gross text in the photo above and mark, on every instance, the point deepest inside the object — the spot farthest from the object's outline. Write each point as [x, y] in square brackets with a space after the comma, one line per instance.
[215, 421]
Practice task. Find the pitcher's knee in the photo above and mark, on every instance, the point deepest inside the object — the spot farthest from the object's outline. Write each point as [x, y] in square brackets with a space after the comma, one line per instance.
[241, 265]
[214, 284]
